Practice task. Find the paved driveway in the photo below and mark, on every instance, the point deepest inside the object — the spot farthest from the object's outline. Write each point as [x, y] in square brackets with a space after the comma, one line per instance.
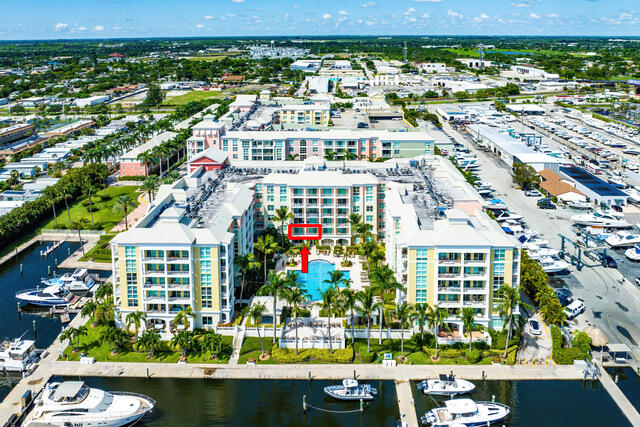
[535, 349]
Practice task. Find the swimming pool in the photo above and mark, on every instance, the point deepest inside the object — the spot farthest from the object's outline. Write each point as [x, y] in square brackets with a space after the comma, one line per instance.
[313, 281]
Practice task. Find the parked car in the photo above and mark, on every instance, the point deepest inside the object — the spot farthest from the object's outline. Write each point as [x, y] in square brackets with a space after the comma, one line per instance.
[547, 205]
[638, 281]
[534, 327]
[574, 309]
[532, 193]
[562, 292]
[564, 301]
[607, 260]
[362, 125]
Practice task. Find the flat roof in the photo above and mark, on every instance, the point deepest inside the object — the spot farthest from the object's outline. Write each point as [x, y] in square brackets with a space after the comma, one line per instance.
[592, 182]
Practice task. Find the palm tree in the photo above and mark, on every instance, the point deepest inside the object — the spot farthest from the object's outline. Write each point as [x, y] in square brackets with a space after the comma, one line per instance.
[266, 245]
[212, 341]
[328, 297]
[336, 278]
[255, 313]
[368, 305]
[183, 317]
[89, 310]
[104, 312]
[282, 215]
[145, 157]
[350, 302]
[384, 280]
[420, 314]
[354, 220]
[435, 320]
[135, 318]
[403, 312]
[151, 185]
[246, 263]
[149, 341]
[122, 204]
[88, 190]
[275, 287]
[184, 341]
[508, 298]
[113, 337]
[330, 155]
[67, 334]
[104, 290]
[66, 191]
[295, 297]
[52, 195]
[468, 316]
[79, 332]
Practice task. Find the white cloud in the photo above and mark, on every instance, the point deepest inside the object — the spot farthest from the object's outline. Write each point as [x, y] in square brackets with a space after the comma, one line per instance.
[553, 15]
[481, 18]
[409, 11]
[199, 26]
[61, 26]
[326, 16]
[343, 13]
[117, 28]
[534, 16]
[454, 14]
[413, 19]
[428, 1]
[208, 17]
[238, 1]
[296, 6]
[98, 28]
[81, 28]
[521, 4]
[425, 15]
[370, 4]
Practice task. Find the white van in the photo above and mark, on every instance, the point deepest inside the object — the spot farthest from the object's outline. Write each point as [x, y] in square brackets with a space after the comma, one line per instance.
[574, 309]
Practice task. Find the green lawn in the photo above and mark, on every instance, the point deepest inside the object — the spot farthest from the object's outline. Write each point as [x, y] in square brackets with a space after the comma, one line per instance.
[194, 95]
[251, 349]
[100, 351]
[101, 252]
[103, 215]
[211, 58]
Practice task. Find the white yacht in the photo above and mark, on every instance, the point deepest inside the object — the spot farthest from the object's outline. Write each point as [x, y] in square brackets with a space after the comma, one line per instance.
[467, 162]
[633, 253]
[351, 390]
[47, 297]
[623, 239]
[18, 355]
[601, 219]
[552, 265]
[496, 204]
[73, 403]
[466, 412]
[579, 205]
[446, 385]
[506, 215]
[79, 280]
[539, 253]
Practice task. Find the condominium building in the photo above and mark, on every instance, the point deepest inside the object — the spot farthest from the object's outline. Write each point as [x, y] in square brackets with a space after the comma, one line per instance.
[180, 254]
[131, 165]
[305, 114]
[205, 134]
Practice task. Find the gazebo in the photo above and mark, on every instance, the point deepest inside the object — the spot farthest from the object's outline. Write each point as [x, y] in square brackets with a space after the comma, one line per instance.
[598, 338]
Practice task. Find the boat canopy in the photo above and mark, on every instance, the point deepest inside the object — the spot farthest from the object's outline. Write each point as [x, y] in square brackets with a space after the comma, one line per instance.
[461, 406]
[67, 390]
[349, 382]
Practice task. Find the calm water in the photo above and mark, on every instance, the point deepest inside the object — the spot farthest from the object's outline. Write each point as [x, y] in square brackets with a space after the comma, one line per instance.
[629, 383]
[34, 267]
[313, 281]
[543, 403]
[252, 402]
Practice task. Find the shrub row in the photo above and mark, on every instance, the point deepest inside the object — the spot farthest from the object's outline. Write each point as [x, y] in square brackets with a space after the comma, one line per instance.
[285, 355]
[566, 356]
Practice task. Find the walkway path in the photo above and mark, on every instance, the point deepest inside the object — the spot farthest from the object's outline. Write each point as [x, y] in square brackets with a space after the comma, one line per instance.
[22, 247]
[406, 405]
[73, 261]
[618, 396]
[134, 215]
[238, 339]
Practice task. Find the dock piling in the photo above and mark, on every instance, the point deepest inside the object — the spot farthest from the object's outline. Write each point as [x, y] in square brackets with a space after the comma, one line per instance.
[304, 404]
[361, 405]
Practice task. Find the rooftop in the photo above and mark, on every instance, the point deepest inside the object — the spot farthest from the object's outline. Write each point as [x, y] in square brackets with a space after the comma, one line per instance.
[592, 182]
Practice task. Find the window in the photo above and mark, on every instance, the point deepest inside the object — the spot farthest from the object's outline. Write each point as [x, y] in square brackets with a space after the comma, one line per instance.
[130, 251]
[205, 267]
[205, 252]
[342, 191]
[207, 321]
[421, 254]
[270, 198]
[132, 279]
[132, 296]
[269, 189]
[369, 218]
[207, 300]
[498, 268]
[327, 191]
[131, 266]
[498, 255]
[283, 189]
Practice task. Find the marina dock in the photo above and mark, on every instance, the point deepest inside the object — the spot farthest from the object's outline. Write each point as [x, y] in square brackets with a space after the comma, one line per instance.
[406, 405]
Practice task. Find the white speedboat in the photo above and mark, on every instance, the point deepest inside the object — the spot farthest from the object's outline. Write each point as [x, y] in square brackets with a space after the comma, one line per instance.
[601, 219]
[633, 253]
[579, 205]
[466, 412]
[506, 215]
[467, 162]
[552, 265]
[18, 355]
[351, 390]
[496, 204]
[446, 385]
[48, 296]
[540, 253]
[73, 403]
[623, 239]
[79, 280]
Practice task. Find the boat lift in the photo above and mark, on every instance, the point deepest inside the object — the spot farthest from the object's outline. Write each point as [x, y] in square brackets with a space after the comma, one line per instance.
[581, 248]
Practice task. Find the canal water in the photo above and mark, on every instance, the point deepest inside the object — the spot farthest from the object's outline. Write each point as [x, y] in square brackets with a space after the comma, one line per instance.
[629, 383]
[542, 403]
[34, 267]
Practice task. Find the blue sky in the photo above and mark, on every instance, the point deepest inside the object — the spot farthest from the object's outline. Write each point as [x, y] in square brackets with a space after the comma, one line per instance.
[51, 19]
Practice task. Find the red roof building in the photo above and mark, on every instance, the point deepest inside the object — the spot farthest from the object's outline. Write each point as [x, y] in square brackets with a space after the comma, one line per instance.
[116, 55]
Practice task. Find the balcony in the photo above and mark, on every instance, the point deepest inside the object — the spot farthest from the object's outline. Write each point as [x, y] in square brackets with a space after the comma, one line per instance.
[473, 303]
[448, 262]
[153, 258]
[154, 273]
[446, 275]
[182, 299]
[445, 289]
[177, 258]
[178, 273]
[476, 274]
[445, 304]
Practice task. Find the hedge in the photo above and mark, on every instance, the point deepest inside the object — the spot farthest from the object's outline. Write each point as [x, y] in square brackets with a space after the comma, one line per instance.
[368, 357]
[472, 356]
[566, 356]
[285, 355]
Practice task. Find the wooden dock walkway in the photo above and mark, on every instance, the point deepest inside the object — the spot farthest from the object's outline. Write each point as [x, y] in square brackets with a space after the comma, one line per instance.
[406, 405]
[619, 397]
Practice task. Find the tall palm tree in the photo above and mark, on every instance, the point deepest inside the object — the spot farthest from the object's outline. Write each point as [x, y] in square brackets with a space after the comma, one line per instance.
[255, 313]
[246, 263]
[145, 157]
[65, 191]
[275, 287]
[122, 204]
[89, 310]
[384, 281]
[336, 278]
[468, 316]
[354, 220]
[350, 302]
[88, 190]
[51, 193]
[267, 246]
[151, 185]
[184, 341]
[212, 341]
[295, 297]
[149, 341]
[420, 315]
[114, 337]
[79, 332]
[508, 298]
[67, 334]
[283, 216]
[367, 306]
[328, 297]
[136, 318]
[404, 312]
[183, 317]
[435, 320]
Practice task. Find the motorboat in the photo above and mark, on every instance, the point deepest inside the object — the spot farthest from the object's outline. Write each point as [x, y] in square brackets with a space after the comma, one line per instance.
[446, 385]
[467, 162]
[506, 215]
[484, 191]
[79, 280]
[351, 390]
[496, 204]
[18, 355]
[633, 253]
[601, 219]
[579, 205]
[466, 412]
[73, 403]
[540, 253]
[552, 265]
[48, 296]
[634, 195]
[532, 242]
[617, 182]
[623, 239]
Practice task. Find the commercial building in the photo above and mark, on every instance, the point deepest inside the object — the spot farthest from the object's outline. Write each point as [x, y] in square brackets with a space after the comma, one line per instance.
[91, 101]
[15, 132]
[69, 129]
[130, 165]
[318, 84]
[593, 187]
[562, 188]
[452, 112]
[524, 73]
[308, 65]
[305, 114]
[180, 254]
